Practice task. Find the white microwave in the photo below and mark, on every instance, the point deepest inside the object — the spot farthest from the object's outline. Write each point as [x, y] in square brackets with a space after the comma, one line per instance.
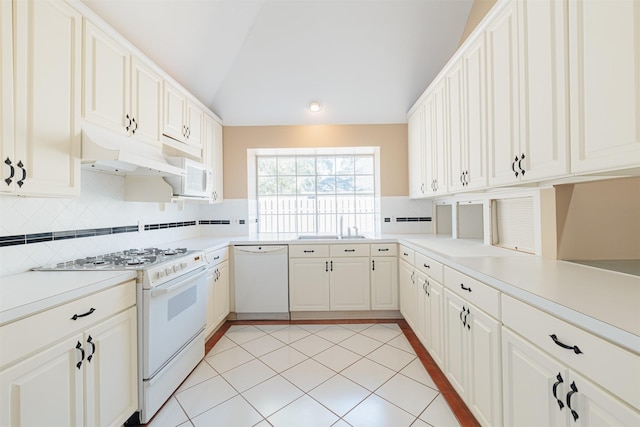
[195, 181]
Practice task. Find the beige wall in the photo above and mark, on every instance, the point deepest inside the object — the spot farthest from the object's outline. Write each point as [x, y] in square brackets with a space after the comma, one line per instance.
[599, 220]
[391, 138]
[478, 11]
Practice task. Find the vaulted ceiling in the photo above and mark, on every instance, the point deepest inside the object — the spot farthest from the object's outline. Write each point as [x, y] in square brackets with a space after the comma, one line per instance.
[260, 62]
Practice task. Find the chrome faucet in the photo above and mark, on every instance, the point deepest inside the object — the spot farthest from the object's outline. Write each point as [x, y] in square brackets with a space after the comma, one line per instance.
[341, 225]
[355, 229]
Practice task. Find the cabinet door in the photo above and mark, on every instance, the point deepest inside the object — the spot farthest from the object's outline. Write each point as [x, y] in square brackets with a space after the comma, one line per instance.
[456, 342]
[212, 276]
[45, 389]
[502, 85]
[384, 283]
[146, 102]
[175, 108]
[435, 322]
[457, 134]
[440, 140]
[195, 118]
[349, 283]
[48, 79]
[484, 388]
[6, 94]
[544, 115]
[422, 310]
[604, 52]
[107, 71]
[416, 134]
[221, 293]
[407, 284]
[309, 284]
[594, 407]
[111, 370]
[212, 147]
[529, 380]
[475, 113]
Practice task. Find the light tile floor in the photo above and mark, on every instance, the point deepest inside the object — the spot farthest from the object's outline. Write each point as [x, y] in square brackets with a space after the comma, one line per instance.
[359, 375]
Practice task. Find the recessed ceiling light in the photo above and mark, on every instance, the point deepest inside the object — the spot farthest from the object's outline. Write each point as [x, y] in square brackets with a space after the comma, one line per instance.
[315, 106]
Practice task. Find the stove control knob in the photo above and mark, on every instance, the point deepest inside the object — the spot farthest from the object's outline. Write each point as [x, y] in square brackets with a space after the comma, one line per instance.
[176, 267]
[169, 271]
[183, 265]
[160, 274]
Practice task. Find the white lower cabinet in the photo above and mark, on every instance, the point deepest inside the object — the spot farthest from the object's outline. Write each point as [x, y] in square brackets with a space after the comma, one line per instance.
[384, 277]
[84, 376]
[472, 358]
[407, 288]
[349, 287]
[217, 289]
[334, 278]
[431, 317]
[309, 284]
[539, 390]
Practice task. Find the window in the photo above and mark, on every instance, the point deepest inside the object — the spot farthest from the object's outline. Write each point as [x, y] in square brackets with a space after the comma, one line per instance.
[316, 193]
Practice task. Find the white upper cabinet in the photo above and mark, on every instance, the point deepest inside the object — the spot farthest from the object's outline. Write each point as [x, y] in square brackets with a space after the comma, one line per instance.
[436, 145]
[183, 120]
[474, 173]
[6, 94]
[146, 101]
[40, 103]
[106, 80]
[121, 92]
[527, 92]
[544, 115]
[416, 135]
[604, 51]
[213, 156]
[466, 87]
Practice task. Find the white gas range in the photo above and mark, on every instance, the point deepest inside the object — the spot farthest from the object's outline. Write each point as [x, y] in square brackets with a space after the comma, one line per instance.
[171, 305]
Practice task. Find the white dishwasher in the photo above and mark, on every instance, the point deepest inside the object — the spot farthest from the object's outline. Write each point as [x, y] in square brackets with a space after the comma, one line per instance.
[261, 279]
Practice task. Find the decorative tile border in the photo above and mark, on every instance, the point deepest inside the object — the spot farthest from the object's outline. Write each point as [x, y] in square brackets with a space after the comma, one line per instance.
[214, 222]
[25, 239]
[168, 225]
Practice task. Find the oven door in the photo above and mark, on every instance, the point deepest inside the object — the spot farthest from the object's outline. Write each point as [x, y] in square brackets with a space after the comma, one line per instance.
[173, 313]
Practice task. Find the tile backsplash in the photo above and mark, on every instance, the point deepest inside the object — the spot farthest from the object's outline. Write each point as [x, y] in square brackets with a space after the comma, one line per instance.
[100, 221]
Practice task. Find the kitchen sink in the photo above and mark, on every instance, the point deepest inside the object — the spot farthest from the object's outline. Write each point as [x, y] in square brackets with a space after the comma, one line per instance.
[331, 237]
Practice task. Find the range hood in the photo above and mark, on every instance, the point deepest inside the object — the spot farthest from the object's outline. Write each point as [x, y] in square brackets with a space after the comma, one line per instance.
[108, 151]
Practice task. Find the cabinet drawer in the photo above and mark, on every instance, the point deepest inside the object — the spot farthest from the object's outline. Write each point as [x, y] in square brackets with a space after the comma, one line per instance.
[348, 250]
[308, 251]
[217, 256]
[482, 296]
[49, 326]
[614, 368]
[429, 267]
[384, 249]
[406, 254]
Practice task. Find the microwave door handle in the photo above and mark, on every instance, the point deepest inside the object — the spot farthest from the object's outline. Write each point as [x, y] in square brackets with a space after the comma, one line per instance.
[160, 290]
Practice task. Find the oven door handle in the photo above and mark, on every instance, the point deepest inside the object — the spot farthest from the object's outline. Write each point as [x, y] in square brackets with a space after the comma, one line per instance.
[160, 290]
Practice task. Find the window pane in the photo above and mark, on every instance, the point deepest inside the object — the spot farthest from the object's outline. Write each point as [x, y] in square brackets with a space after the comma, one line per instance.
[364, 184]
[326, 165]
[267, 186]
[314, 194]
[307, 185]
[286, 166]
[345, 165]
[306, 165]
[326, 184]
[266, 165]
[345, 184]
[364, 165]
[287, 185]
